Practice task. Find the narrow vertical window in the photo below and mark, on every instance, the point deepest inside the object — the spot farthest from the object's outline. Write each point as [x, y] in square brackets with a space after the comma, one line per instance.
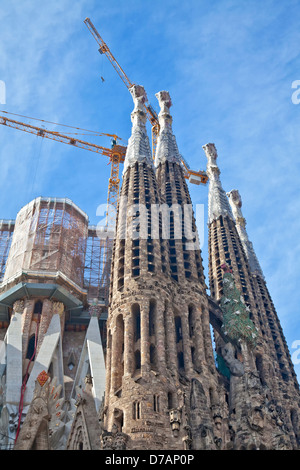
[136, 410]
[156, 403]
[38, 306]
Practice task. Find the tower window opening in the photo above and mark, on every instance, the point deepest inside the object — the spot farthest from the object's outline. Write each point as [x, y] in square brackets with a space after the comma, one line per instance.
[152, 354]
[136, 321]
[178, 329]
[152, 313]
[135, 272]
[31, 348]
[136, 410]
[170, 401]
[156, 403]
[180, 359]
[137, 357]
[38, 307]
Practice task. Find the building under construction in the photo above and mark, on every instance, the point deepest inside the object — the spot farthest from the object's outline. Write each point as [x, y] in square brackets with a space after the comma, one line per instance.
[115, 343]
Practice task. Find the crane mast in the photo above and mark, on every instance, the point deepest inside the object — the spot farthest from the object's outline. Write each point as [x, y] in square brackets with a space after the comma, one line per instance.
[104, 49]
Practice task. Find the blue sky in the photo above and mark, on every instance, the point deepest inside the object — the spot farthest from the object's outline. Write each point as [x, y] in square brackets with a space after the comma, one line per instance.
[229, 67]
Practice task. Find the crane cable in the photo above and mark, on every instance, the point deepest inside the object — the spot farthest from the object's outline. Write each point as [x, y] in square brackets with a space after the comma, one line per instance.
[62, 125]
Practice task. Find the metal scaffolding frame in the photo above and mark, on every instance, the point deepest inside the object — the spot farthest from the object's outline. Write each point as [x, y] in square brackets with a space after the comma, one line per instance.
[52, 235]
[6, 233]
[97, 265]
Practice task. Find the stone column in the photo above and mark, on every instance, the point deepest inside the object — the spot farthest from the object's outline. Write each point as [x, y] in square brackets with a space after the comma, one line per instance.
[128, 344]
[188, 364]
[198, 335]
[145, 345]
[160, 338]
[116, 357]
[108, 366]
[170, 337]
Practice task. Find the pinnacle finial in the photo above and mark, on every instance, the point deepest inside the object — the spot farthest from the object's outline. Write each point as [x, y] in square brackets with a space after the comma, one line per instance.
[167, 149]
[139, 97]
[164, 101]
[218, 204]
[210, 151]
[138, 149]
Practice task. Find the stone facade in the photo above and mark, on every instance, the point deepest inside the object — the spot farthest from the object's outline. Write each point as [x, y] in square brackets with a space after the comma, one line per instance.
[166, 386]
[264, 399]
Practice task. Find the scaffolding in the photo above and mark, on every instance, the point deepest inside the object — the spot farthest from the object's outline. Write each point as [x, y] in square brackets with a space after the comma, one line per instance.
[97, 265]
[52, 235]
[49, 236]
[6, 233]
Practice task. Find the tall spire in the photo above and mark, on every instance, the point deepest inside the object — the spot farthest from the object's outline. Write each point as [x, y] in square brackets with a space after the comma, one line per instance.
[138, 149]
[167, 149]
[235, 201]
[217, 200]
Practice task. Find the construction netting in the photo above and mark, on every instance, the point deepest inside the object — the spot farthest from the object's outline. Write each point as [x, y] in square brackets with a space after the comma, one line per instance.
[52, 235]
[6, 233]
[97, 265]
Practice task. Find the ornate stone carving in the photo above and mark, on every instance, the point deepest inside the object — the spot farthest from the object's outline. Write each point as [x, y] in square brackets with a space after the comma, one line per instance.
[58, 308]
[114, 440]
[167, 149]
[256, 419]
[235, 366]
[138, 149]
[44, 417]
[19, 306]
[218, 204]
[175, 420]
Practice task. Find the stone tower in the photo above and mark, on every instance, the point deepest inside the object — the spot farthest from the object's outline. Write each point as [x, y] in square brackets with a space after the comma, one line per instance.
[155, 382]
[263, 393]
[161, 380]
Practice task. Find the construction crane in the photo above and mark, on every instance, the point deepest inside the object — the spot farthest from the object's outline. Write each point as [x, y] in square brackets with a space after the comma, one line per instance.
[104, 49]
[116, 155]
[195, 177]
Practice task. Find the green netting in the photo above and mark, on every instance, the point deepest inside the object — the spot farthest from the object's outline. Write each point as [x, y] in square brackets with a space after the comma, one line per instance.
[236, 322]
